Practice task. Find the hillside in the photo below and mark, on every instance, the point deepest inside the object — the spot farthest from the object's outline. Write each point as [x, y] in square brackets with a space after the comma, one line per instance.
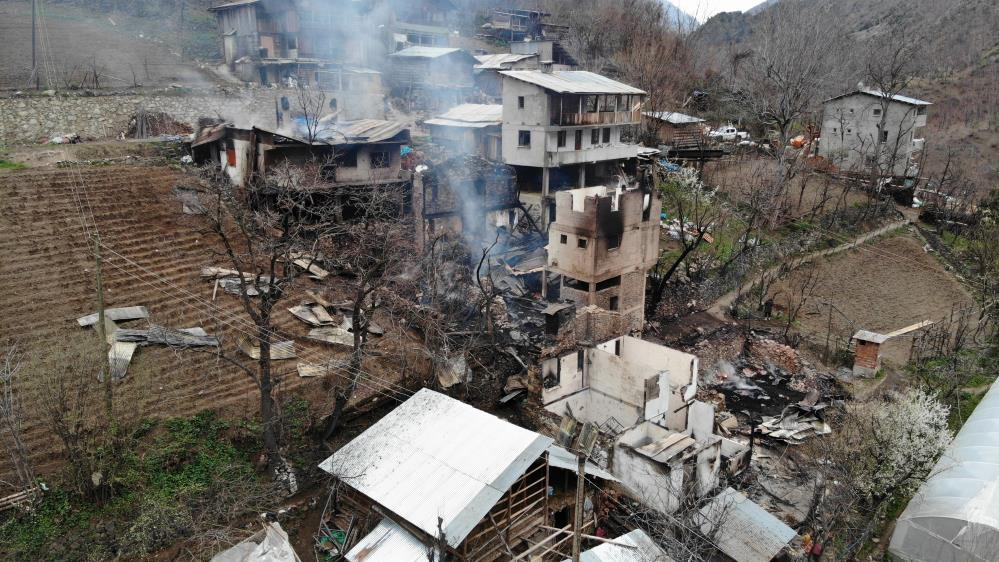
[126, 48]
[675, 15]
[956, 32]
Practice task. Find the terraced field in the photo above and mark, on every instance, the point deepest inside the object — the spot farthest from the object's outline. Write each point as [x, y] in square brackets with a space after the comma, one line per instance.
[156, 253]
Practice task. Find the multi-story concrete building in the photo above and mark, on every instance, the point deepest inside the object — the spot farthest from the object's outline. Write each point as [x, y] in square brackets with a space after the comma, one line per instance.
[566, 129]
[603, 243]
[867, 130]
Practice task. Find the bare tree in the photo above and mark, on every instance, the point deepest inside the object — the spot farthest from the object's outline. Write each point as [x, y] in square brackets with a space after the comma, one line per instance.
[12, 415]
[262, 230]
[378, 248]
[310, 104]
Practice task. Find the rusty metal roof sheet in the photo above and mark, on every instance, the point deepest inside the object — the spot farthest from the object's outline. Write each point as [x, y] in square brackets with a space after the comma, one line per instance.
[474, 115]
[501, 61]
[643, 549]
[388, 542]
[434, 456]
[572, 82]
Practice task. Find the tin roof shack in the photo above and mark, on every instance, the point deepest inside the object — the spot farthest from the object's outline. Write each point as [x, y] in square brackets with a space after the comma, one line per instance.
[432, 77]
[467, 195]
[469, 128]
[436, 466]
[603, 243]
[356, 153]
[274, 41]
[673, 129]
[867, 130]
[620, 383]
[567, 129]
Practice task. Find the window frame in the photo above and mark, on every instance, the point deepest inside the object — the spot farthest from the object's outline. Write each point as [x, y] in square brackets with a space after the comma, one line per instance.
[521, 136]
[380, 159]
[605, 135]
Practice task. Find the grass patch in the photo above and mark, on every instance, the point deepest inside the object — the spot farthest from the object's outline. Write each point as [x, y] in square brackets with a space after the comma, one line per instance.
[183, 468]
[8, 165]
[962, 409]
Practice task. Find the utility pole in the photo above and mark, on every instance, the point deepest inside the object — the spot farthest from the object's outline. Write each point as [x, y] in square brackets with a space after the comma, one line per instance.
[577, 526]
[34, 63]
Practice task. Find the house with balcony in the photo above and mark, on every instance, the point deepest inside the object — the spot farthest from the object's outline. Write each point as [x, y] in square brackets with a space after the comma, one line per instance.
[426, 23]
[567, 129]
[296, 42]
[868, 131]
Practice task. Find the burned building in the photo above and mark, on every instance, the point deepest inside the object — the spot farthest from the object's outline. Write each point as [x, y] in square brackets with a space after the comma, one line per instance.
[355, 153]
[564, 129]
[513, 25]
[470, 128]
[295, 41]
[643, 394]
[603, 243]
[438, 473]
[466, 195]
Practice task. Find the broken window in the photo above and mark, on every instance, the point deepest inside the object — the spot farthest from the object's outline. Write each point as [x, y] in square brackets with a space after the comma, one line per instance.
[580, 355]
[581, 242]
[608, 283]
[561, 139]
[347, 158]
[520, 102]
[607, 135]
[381, 159]
[617, 342]
[576, 284]
[523, 138]
[590, 104]
[614, 240]
[884, 136]
[613, 306]
[563, 239]
[595, 136]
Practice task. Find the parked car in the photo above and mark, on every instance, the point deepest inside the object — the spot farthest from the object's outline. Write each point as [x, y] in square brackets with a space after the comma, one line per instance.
[728, 133]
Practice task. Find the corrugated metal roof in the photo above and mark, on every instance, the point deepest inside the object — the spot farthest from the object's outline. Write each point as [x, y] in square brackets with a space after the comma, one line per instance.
[879, 94]
[747, 533]
[561, 458]
[232, 4]
[425, 52]
[572, 82]
[646, 550]
[955, 514]
[388, 542]
[434, 456]
[874, 337]
[356, 132]
[672, 117]
[500, 60]
[470, 115]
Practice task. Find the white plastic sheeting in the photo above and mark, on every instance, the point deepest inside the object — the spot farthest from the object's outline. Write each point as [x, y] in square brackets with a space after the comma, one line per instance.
[954, 517]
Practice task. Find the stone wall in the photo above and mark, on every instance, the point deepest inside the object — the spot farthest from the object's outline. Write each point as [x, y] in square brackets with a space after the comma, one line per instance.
[33, 118]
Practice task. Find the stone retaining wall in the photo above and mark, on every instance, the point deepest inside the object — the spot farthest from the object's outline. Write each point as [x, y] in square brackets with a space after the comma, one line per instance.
[33, 118]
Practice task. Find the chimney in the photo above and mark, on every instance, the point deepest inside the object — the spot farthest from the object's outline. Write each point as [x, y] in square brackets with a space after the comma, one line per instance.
[546, 66]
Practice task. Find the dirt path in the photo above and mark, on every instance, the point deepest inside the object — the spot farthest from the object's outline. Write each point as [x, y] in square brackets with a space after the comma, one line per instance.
[720, 307]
